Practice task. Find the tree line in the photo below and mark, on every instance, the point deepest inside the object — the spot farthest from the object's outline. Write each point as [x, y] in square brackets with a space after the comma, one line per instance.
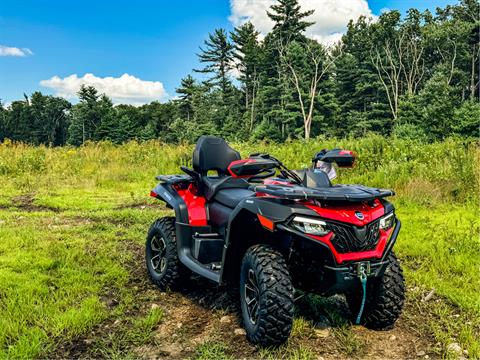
[414, 76]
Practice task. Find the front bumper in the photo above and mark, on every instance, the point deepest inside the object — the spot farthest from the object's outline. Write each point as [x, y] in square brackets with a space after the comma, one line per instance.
[382, 250]
[342, 279]
[333, 277]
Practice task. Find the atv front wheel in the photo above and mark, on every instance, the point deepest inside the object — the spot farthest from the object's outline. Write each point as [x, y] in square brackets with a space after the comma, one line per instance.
[164, 268]
[385, 297]
[266, 296]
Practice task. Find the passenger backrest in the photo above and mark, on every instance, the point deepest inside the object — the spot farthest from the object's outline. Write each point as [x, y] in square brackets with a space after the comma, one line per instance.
[213, 153]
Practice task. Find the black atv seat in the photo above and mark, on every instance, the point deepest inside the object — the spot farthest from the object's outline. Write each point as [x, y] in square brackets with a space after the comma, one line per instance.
[231, 197]
[213, 153]
[212, 185]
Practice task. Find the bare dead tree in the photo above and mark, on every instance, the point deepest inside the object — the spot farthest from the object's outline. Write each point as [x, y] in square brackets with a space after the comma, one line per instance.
[445, 54]
[255, 85]
[399, 63]
[321, 62]
[389, 74]
[475, 70]
[413, 64]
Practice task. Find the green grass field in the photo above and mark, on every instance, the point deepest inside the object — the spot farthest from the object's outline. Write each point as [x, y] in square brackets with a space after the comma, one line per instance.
[73, 222]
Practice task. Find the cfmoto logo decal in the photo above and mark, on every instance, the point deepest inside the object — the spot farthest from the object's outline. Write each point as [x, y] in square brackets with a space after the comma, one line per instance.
[359, 215]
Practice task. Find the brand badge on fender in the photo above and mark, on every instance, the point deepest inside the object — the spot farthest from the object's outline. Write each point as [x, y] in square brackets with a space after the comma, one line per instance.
[359, 215]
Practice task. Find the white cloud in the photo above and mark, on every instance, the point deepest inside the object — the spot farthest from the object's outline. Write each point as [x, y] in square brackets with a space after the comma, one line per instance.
[329, 39]
[14, 51]
[126, 89]
[331, 16]
[251, 10]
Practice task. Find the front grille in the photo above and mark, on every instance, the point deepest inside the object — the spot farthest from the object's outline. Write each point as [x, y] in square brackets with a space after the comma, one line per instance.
[347, 238]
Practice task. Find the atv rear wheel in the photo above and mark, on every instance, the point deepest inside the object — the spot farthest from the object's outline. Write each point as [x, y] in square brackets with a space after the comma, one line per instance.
[164, 268]
[385, 297]
[266, 296]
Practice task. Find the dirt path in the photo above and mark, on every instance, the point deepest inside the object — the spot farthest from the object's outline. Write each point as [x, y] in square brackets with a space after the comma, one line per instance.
[203, 313]
[193, 318]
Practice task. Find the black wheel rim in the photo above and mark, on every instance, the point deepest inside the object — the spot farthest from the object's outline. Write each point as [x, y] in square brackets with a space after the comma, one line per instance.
[159, 251]
[251, 296]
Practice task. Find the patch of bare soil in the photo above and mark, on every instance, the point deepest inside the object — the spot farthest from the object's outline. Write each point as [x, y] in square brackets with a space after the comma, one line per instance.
[398, 343]
[59, 222]
[199, 312]
[203, 312]
[25, 202]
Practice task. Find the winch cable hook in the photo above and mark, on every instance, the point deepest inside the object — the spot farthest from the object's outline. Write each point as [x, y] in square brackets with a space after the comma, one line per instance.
[363, 280]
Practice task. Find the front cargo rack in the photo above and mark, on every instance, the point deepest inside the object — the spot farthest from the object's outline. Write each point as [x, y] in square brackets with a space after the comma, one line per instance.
[353, 193]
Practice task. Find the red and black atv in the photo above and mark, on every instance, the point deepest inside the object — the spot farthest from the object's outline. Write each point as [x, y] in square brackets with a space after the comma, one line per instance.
[273, 230]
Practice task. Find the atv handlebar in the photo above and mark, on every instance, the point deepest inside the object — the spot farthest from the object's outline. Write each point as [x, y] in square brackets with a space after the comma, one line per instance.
[267, 174]
[286, 172]
[343, 158]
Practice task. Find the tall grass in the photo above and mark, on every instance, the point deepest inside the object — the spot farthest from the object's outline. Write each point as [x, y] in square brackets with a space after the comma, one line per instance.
[425, 173]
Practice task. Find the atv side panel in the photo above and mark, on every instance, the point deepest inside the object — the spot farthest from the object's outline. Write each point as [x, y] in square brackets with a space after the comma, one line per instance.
[183, 229]
[165, 192]
[245, 229]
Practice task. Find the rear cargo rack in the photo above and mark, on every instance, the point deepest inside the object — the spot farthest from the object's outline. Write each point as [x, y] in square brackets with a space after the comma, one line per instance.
[174, 179]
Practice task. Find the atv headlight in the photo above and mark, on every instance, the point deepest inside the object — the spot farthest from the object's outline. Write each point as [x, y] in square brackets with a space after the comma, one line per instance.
[387, 222]
[310, 226]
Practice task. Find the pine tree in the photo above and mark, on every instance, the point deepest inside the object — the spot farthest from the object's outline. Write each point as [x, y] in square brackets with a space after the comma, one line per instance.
[248, 55]
[19, 121]
[130, 122]
[218, 55]
[467, 119]
[360, 93]
[3, 121]
[87, 116]
[187, 90]
[288, 18]
[108, 127]
[49, 119]
[277, 96]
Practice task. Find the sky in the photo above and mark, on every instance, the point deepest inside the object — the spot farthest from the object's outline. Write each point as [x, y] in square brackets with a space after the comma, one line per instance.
[137, 51]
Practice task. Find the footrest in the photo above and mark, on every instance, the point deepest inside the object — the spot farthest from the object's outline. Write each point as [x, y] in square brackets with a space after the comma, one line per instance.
[207, 236]
[207, 249]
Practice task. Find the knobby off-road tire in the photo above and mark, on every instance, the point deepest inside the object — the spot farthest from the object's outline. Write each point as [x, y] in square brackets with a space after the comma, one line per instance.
[385, 298]
[164, 268]
[265, 269]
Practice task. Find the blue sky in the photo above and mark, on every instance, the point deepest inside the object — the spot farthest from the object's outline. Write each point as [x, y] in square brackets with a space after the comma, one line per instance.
[155, 42]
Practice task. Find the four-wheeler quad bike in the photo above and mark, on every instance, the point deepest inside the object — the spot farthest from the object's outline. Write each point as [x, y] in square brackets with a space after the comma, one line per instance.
[272, 230]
